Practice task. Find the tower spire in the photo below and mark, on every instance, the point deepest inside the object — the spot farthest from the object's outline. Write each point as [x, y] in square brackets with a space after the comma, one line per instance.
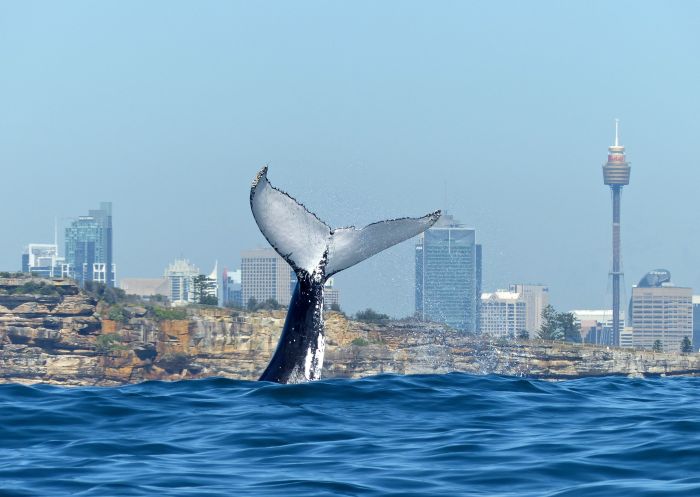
[617, 132]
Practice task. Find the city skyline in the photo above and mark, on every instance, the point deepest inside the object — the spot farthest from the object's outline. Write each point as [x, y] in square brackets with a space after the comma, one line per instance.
[487, 117]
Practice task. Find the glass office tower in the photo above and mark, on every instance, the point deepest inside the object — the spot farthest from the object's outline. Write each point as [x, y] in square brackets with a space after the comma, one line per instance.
[446, 275]
[89, 246]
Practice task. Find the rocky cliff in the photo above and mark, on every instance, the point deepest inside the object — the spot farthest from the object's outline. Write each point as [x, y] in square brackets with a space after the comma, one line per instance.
[51, 332]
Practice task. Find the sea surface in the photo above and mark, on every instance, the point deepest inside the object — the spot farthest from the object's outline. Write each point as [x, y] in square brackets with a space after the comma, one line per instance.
[430, 435]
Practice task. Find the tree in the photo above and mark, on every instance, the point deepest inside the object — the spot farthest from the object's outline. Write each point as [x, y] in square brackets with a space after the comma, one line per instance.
[566, 322]
[335, 307]
[371, 316]
[686, 346]
[201, 290]
[550, 329]
[523, 334]
[252, 304]
[658, 346]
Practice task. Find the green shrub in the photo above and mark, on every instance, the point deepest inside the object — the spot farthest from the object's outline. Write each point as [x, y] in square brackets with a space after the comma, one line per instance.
[169, 313]
[117, 313]
[360, 342]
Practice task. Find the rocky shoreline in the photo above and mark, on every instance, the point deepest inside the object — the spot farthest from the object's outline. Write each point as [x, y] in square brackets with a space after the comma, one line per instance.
[63, 336]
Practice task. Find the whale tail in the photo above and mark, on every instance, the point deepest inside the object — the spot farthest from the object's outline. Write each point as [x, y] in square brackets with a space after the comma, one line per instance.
[312, 247]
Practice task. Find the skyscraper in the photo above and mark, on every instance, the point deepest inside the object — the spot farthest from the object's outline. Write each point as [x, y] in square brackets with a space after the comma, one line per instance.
[265, 275]
[616, 174]
[446, 275]
[89, 247]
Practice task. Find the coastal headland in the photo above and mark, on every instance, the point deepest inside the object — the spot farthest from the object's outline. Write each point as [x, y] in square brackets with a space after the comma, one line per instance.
[52, 332]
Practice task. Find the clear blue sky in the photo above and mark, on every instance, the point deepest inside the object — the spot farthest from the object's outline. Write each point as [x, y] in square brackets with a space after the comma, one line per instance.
[499, 111]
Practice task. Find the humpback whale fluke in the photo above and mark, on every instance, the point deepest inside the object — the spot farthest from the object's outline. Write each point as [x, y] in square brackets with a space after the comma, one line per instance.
[315, 251]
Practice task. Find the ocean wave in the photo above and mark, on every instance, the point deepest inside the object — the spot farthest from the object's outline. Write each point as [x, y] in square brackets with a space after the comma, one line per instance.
[430, 435]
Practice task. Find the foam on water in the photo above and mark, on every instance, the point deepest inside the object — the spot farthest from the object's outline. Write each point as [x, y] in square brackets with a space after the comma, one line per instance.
[431, 435]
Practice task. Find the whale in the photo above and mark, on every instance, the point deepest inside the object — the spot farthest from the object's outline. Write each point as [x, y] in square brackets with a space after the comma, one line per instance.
[315, 251]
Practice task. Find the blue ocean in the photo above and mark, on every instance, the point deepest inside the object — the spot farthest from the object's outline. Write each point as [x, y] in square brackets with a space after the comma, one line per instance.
[388, 435]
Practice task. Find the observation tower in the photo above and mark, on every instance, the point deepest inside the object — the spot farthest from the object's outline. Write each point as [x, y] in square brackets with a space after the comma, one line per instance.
[616, 174]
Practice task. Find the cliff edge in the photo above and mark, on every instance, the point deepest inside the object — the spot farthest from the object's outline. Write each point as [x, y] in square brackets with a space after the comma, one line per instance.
[51, 332]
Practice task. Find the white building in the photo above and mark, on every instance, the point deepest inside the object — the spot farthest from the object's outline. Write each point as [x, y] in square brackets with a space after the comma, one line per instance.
[503, 313]
[181, 274]
[536, 298]
[42, 259]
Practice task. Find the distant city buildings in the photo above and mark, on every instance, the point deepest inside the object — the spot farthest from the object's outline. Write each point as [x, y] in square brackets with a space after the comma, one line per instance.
[265, 275]
[596, 326]
[232, 295]
[89, 252]
[503, 314]
[536, 298]
[447, 274]
[661, 311]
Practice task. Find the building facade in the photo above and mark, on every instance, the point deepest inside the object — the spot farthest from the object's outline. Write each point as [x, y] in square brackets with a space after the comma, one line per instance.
[536, 298]
[446, 275]
[661, 311]
[89, 247]
[503, 314]
[265, 275]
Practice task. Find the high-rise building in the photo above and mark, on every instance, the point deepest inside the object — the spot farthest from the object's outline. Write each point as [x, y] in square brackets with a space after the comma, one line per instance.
[180, 275]
[503, 314]
[661, 311]
[616, 174]
[446, 275]
[265, 275]
[596, 326]
[536, 298]
[89, 247]
[231, 288]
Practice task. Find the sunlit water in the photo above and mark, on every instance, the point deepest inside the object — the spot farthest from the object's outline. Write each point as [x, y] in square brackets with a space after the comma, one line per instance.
[432, 435]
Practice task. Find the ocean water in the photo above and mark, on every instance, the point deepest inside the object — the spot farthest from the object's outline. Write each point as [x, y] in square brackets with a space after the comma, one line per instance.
[430, 435]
